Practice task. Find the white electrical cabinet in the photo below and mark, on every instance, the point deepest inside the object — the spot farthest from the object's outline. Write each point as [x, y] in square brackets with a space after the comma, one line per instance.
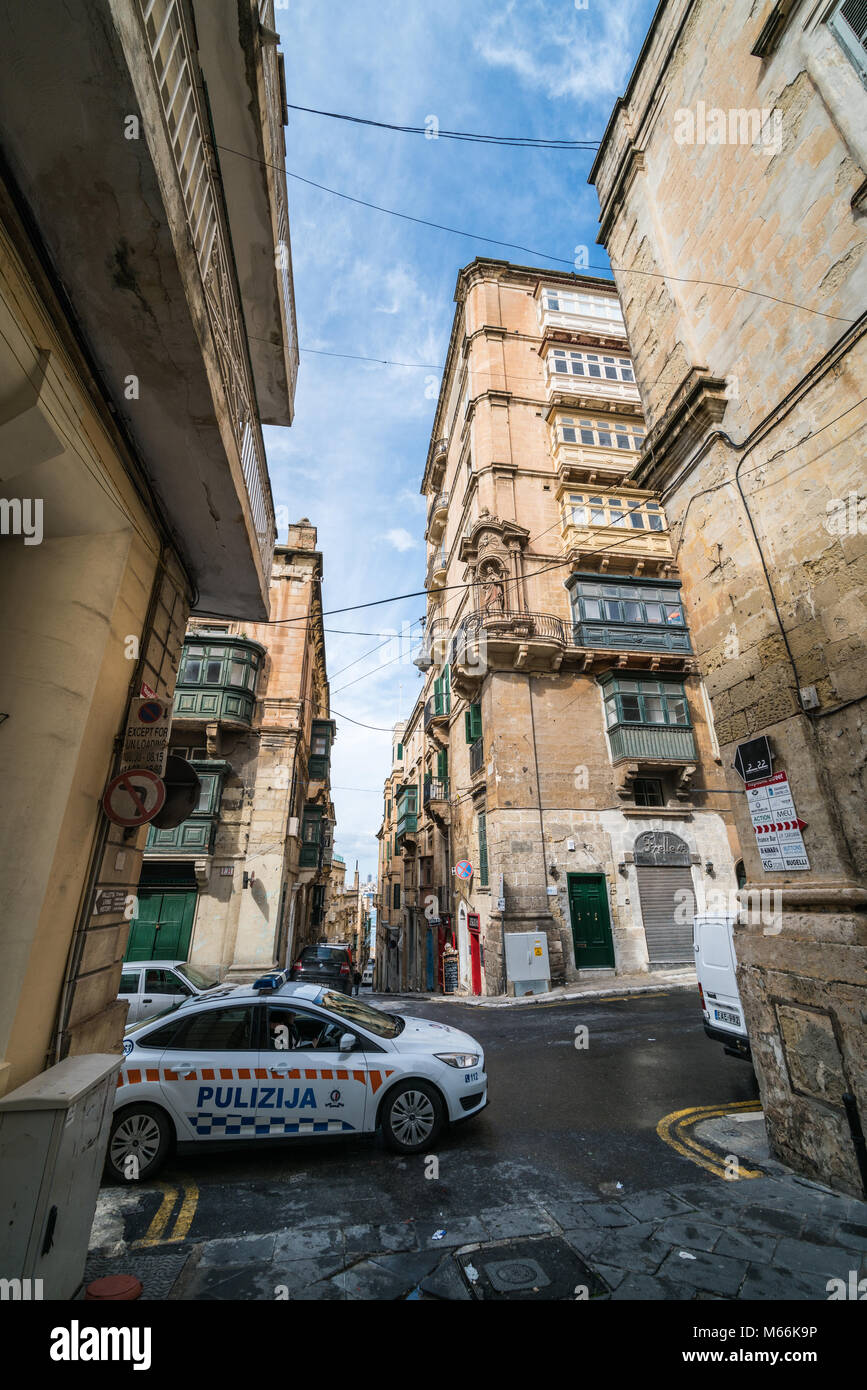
[527, 968]
[53, 1137]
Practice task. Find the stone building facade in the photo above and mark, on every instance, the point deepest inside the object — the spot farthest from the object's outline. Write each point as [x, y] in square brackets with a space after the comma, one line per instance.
[568, 753]
[243, 884]
[389, 965]
[131, 409]
[732, 183]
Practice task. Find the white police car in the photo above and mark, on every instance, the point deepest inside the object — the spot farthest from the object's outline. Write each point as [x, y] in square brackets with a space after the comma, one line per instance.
[275, 1060]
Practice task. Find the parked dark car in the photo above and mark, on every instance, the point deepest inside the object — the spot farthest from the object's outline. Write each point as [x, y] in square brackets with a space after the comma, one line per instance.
[324, 965]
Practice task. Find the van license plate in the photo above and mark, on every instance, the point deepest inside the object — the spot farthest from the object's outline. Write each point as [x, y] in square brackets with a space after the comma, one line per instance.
[725, 1017]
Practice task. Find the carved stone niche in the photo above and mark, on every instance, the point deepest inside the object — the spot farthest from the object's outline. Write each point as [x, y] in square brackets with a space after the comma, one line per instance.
[491, 550]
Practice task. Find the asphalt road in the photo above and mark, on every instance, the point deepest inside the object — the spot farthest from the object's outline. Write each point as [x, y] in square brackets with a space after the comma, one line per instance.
[562, 1122]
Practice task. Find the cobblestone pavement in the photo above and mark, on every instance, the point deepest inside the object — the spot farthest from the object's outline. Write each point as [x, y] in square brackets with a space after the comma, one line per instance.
[777, 1237]
[565, 1187]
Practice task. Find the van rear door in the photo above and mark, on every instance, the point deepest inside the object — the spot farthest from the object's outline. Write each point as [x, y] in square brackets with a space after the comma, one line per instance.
[715, 968]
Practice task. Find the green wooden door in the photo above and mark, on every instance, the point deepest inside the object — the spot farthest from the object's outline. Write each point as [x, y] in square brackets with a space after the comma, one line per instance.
[164, 925]
[591, 924]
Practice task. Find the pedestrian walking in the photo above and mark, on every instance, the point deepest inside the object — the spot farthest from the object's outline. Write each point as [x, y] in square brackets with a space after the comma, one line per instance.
[356, 979]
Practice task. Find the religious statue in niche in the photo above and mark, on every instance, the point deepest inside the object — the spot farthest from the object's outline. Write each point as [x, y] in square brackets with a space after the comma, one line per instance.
[493, 590]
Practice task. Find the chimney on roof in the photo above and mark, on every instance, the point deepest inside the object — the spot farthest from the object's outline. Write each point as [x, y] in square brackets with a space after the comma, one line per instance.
[301, 535]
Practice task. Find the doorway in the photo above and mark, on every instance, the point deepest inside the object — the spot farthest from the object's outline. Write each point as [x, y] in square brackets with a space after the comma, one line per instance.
[475, 953]
[592, 940]
[164, 925]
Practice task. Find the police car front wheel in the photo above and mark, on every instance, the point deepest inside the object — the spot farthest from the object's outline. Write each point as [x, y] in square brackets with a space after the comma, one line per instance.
[141, 1136]
[412, 1117]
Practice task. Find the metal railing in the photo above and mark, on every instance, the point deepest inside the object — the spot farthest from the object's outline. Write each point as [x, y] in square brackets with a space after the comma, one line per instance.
[439, 502]
[437, 707]
[508, 623]
[435, 789]
[175, 71]
[477, 756]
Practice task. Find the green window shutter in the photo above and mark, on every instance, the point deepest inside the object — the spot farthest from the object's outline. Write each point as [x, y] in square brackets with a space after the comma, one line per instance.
[447, 690]
[473, 723]
[443, 765]
[483, 849]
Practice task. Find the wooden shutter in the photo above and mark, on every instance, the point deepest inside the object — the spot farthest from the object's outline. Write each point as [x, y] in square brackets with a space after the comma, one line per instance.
[669, 942]
[443, 765]
[473, 723]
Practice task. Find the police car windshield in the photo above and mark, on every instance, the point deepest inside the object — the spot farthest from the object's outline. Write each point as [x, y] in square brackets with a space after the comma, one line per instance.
[374, 1020]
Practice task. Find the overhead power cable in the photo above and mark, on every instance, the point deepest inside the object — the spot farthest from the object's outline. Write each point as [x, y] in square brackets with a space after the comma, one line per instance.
[559, 564]
[535, 142]
[516, 246]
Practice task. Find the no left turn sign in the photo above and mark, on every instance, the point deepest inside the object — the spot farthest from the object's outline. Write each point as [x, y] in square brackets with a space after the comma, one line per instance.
[134, 797]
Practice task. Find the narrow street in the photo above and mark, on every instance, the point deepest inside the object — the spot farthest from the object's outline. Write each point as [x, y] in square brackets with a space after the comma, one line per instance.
[568, 1136]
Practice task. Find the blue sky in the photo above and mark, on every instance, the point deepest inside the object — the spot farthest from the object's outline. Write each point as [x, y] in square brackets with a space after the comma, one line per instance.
[373, 285]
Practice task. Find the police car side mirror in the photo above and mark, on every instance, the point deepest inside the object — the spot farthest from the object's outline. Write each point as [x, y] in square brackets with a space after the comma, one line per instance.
[347, 1042]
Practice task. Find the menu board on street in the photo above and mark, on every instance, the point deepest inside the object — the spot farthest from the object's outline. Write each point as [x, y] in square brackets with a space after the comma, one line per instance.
[450, 973]
[776, 825]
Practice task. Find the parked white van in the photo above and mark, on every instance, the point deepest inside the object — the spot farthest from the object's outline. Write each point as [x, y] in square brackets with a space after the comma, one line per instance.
[715, 964]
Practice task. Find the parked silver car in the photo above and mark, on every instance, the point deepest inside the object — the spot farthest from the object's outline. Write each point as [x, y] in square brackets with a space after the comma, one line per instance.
[154, 985]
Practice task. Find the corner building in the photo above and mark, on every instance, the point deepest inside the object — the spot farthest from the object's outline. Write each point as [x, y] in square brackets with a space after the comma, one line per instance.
[569, 751]
[748, 326]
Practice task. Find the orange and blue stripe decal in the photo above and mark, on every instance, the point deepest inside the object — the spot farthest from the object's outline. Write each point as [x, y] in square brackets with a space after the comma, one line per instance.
[133, 1076]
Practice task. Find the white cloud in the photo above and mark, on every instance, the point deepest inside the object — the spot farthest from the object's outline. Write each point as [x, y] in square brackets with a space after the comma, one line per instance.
[400, 539]
[584, 54]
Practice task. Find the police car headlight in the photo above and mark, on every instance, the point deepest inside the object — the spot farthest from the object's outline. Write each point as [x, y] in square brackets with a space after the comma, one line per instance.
[458, 1059]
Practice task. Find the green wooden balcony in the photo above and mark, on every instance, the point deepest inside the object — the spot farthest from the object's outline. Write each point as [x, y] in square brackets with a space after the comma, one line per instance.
[652, 742]
[217, 679]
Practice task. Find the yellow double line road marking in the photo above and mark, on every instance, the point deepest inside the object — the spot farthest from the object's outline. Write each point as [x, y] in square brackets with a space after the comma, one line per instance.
[672, 1129]
[156, 1230]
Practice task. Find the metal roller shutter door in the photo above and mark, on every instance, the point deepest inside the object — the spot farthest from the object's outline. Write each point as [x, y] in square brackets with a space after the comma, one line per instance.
[668, 942]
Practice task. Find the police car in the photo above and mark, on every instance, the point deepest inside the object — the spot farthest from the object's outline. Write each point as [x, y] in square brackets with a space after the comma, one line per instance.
[277, 1060]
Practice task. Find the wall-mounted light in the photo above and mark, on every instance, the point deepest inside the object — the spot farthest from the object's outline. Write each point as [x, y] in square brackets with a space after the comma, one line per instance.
[708, 868]
[623, 870]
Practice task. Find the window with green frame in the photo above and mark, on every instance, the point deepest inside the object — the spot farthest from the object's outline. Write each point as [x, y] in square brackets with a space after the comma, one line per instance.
[632, 701]
[628, 603]
[483, 849]
[442, 695]
[311, 835]
[219, 664]
[473, 723]
[320, 749]
[399, 752]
